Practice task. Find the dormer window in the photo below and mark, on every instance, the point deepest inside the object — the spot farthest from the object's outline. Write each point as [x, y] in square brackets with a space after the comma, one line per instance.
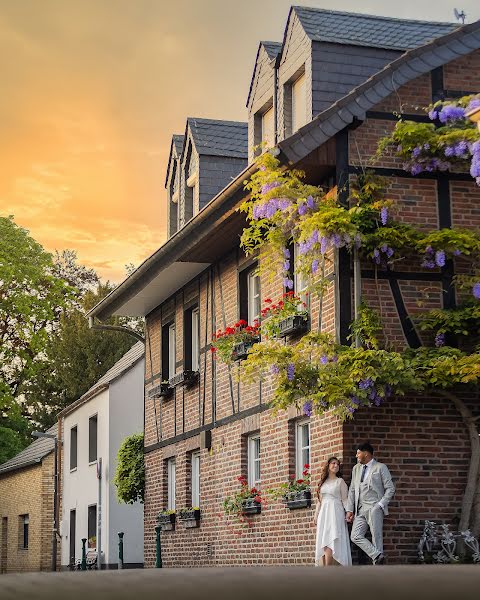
[268, 128]
[191, 176]
[299, 103]
[175, 191]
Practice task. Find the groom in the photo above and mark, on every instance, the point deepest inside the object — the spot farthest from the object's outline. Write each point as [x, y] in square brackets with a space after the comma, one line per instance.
[371, 489]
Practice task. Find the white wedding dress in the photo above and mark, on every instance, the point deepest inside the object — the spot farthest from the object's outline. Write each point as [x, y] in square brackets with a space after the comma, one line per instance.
[332, 531]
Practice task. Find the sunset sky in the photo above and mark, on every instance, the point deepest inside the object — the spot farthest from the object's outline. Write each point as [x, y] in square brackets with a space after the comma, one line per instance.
[92, 91]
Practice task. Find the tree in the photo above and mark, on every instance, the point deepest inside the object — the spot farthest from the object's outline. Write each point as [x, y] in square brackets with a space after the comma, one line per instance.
[130, 474]
[76, 357]
[32, 297]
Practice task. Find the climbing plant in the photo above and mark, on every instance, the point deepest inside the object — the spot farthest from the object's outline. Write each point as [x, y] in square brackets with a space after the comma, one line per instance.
[130, 473]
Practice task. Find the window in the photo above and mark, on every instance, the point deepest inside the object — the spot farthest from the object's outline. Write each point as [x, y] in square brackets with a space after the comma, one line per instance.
[300, 280]
[299, 103]
[302, 446]
[172, 351]
[253, 287]
[171, 476]
[23, 525]
[191, 344]
[92, 438]
[191, 177]
[195, 458]
[73, 447]
[73, 534]
[254, 460]
[268, 128]
[92, 526]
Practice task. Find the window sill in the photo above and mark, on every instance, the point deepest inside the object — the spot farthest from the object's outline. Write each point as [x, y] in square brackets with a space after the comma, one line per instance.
[93, 462]
[73, 470]
[192, 180]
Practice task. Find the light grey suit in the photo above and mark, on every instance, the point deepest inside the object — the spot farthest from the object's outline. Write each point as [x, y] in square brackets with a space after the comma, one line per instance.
[366, 501]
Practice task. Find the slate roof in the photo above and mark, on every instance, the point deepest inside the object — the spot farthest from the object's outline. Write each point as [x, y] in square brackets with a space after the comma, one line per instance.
[355, 104]
[136, 352]
[177, 142]
[272, 48]
[219, 138]
[31, 455]
[369, 30]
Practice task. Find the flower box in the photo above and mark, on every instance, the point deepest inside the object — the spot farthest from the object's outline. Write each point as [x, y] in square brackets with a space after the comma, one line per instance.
[160, 391]
[183, 378]
[293, 325]
[302, 499]
[190, 518]
[251, 507]
[240, 350]
[167, 521]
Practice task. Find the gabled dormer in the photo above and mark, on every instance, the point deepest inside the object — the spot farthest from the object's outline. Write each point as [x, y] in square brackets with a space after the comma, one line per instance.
[261, 98]
[213, 153]
[324, 55]
[172, 183]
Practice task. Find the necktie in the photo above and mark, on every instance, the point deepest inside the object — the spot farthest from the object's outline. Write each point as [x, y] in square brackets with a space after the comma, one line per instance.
[364, 470]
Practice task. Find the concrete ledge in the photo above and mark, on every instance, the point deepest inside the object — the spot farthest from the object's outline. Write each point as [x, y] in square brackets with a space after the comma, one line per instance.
[430, 582]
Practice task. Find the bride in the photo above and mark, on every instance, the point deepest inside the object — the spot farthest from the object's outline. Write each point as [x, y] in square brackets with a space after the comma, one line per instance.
[333, 542]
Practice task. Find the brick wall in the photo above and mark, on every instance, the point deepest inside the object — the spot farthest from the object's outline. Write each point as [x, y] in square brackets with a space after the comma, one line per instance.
[421, 439]
[28, 491]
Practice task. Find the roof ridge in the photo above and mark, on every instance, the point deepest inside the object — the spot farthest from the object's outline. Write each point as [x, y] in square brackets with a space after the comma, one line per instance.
[217, 121]
[369, 16]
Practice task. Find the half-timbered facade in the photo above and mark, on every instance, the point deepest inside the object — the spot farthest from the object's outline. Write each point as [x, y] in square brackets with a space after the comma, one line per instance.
[209, 428]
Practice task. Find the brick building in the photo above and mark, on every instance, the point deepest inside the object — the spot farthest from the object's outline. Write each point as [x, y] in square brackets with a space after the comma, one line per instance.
[26, 508]
[322, 98]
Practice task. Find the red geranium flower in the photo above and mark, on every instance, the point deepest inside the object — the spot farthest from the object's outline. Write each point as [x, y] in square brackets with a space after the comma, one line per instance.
[269, 300]
[257, 499]
[306, 466]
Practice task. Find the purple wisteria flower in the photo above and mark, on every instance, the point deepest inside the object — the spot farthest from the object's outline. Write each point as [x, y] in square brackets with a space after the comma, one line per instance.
[355, 400]
[290, 371]
[440, 340]
[267, 187]
[274, 370]
[286, 253]
[365, 384]
[351, 409]
[323, 245]
[314, 266]
[384, 215]
[307, 409]
[450, 112]
[433, 114]
[324, 359]
[376, 256]
[288, 283]
[286, 265]
[428, 264]
[302, 209]
[474, 103]
[390, 252]
[417, 151]
[311, 202]
[457, 252]
[475, 165]
[476, 291]
[440, 258]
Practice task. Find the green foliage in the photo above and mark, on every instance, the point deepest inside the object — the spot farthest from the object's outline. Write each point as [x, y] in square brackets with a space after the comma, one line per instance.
[233, 505]
[130, 473]
[224, 342]
[451, 241]
[274, 313]
[463, 320]
[366, 327]
[293, 486]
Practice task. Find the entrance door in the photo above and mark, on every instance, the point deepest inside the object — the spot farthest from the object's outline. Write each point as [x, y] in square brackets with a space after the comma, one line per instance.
[4, 546]
[73, 527]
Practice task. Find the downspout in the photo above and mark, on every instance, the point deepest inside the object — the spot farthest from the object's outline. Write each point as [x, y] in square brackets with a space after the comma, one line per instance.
[101, 326]
[276, 64]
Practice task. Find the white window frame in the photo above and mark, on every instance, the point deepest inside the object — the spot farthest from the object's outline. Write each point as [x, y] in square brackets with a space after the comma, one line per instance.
[254, 464]
[300, 460]
[172, 350]
[171, 483]
[268, 128]
[253, 293]
[299, 103]
[195, 339]
[301, 281]
[195, 475]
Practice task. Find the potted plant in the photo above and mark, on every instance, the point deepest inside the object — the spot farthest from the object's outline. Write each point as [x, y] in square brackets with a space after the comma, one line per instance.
[234, 342]
[166, 518]
[189, 516]
[288, 317]
[92, 541]
[296, 493]
[246, 501]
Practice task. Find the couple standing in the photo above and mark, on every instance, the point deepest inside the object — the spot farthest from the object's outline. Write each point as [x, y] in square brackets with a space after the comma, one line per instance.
[365, 504]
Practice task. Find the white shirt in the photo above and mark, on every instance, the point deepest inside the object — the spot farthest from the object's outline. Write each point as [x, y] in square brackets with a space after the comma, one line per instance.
[368, 470]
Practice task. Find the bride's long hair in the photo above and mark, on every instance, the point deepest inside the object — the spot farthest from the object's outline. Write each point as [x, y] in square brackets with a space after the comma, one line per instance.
[325, 471]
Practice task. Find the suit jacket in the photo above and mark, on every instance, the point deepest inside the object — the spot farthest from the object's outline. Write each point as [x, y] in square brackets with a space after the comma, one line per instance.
[379, 482]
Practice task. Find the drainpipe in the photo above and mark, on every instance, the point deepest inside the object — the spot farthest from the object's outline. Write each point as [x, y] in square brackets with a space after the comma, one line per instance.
[93, 325]
[276, 64]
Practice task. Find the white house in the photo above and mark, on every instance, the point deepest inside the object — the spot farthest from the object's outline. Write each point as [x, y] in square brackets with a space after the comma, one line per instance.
[92, 430]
